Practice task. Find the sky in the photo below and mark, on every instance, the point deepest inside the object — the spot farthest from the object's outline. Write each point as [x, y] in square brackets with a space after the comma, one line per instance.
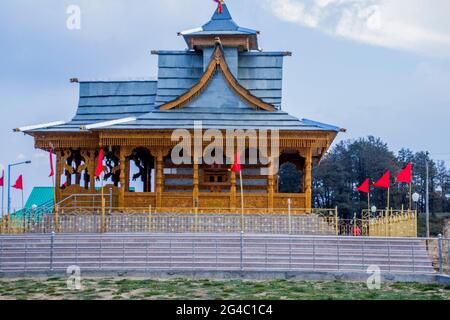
[374, 67]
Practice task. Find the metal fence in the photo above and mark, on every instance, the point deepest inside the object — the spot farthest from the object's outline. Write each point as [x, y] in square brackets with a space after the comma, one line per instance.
[291, 221]
[150, 222]
[220, 253]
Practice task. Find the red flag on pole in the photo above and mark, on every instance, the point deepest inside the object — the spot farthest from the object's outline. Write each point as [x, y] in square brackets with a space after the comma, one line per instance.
[19, 183]
[237, 163]
[364, 187]
[219, 5]
[405, 176]
[52, 171]
[2, 179]
[99, 170]
[385, 181]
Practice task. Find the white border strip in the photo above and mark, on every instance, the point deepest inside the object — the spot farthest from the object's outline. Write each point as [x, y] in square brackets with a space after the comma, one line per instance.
[39, 126]
[107, 123]
[190, 31]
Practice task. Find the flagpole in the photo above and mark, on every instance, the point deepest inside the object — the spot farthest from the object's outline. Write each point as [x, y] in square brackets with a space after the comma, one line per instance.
[3, 196]
[242, 201]
[389, 198]
[53, 177]
[410, 196]
[55, 206]
[23, 208]
[103, 204]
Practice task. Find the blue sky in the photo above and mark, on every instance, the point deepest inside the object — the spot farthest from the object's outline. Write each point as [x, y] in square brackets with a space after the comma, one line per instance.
[375, 67]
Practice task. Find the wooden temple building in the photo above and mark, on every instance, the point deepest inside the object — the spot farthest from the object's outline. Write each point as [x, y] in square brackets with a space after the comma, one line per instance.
[223, 81]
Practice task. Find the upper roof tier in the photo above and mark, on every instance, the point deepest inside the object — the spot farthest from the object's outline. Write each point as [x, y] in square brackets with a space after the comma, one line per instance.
[222, 84]
[222, 25]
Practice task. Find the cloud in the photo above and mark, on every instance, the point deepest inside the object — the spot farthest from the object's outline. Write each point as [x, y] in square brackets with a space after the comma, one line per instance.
[21, 156]
[412, 25]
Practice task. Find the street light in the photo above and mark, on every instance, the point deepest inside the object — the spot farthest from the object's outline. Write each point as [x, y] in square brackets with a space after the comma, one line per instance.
[415, 198]
[9, 181]
[374, 210]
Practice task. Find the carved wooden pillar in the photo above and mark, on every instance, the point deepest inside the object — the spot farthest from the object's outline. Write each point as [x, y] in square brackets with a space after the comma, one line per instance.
[127, 175]
[159, 159]
[123, 175]
[308, 179]
[159, 178]
[91, 169]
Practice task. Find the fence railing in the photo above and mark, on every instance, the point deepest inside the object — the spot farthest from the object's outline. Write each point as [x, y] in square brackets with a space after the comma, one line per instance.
[80, 220]
[278, 221]
[226, 252]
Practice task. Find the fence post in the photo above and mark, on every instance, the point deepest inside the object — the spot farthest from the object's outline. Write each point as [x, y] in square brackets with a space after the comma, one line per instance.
[441, 258]
[24, 220]
[389, 254]
[386, 217]
[56, 218]
[339, 254]
[150, 227]
[336, 220]
[314, 253]
[146, 256]
[110, 200]
[76, 252]
[193, 255]
[290, 253]
[242, 251]
[52, 244]
[26, 256]
[448, 256]
[100, 254]
[170, 254]
[123, 254]
[290, 215]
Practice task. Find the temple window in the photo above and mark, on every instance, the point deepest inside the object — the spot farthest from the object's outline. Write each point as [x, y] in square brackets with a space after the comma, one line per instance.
[111, 167]
[142, 172]
[290, 175]
[75, 168]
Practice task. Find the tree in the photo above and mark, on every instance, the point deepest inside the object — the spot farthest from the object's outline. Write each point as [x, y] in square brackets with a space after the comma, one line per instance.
[349, 163]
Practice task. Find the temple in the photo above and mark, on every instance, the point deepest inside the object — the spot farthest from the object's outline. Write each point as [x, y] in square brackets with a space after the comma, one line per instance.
[222, 81]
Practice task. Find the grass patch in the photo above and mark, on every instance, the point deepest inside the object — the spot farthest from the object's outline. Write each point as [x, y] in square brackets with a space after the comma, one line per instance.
[135, 289]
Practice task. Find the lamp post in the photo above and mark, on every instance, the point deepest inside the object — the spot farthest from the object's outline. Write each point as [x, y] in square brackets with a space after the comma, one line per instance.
[427, 195]
[9, 181]
[374, 210]
[415, 198]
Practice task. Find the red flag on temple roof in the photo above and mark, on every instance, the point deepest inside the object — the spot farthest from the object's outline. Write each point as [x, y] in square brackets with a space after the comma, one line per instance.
[364, 187]
[385, 181]
[405, 176]
[2, 179]
[99, 170]
[237, 163]
[52, 171]
[19, 183]
[219, 5]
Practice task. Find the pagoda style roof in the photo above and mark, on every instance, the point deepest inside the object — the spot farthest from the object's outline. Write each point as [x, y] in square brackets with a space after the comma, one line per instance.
[220, 85]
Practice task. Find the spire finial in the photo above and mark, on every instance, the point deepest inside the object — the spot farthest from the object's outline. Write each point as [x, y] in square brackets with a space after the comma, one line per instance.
[220, 5]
